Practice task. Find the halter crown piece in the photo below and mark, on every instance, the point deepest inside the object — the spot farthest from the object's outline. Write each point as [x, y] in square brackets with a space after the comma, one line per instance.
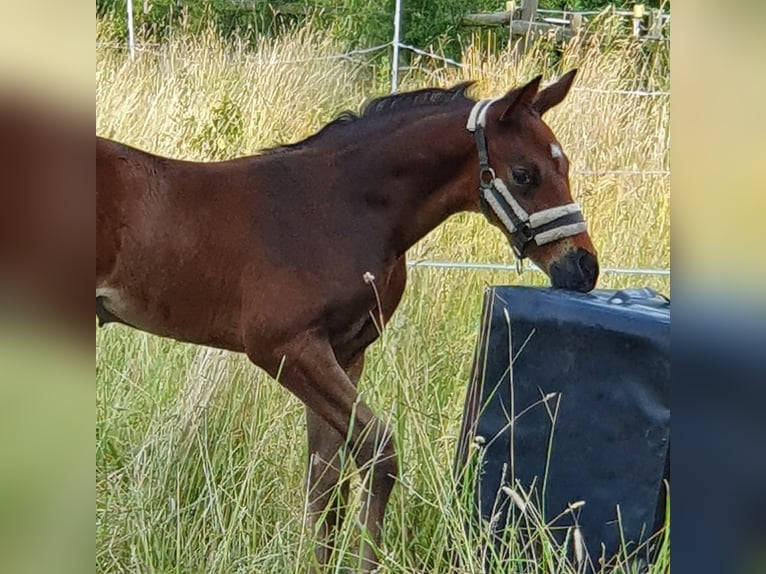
[541, 227]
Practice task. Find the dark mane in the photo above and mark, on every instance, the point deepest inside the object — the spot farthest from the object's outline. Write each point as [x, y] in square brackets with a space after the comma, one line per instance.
[417, 98]
[387, 104]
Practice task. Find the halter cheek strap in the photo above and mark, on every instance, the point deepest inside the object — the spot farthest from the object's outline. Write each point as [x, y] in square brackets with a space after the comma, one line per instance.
[541, 227]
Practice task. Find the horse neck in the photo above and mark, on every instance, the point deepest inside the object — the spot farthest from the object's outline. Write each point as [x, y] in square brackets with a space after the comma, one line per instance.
[429, 169]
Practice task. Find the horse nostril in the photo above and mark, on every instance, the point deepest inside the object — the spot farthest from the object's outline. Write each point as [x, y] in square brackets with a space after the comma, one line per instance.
[577, 271]
[588, 265]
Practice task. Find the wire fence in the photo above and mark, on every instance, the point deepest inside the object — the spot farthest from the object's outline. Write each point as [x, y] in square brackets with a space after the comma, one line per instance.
[638, 93]
[469, 266]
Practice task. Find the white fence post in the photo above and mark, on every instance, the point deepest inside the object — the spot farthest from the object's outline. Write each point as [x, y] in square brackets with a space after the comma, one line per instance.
[131, 38]
[638, 14]
[396, 44]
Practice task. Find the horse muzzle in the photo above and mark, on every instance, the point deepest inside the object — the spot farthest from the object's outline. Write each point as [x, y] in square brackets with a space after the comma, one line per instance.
[575, 271]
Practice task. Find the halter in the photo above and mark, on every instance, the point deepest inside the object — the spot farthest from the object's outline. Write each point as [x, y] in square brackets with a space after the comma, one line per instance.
[541, 227]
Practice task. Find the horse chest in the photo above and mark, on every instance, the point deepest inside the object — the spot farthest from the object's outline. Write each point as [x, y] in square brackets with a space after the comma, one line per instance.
[365, 325]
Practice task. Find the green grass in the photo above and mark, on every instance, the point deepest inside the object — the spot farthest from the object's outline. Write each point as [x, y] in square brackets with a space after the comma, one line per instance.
[200, 457]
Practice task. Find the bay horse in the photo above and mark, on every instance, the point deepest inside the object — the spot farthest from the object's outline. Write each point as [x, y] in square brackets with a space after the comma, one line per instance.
[291, 256]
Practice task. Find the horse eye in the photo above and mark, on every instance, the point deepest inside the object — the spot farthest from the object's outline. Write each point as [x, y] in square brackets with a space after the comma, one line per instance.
[521, 176]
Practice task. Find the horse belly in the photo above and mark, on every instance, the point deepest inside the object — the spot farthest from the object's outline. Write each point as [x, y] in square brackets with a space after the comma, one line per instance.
[118, 305]
[110, 306]
[212, 326]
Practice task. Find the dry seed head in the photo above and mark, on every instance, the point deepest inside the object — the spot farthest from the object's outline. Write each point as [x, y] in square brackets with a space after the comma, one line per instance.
[520, 503]
[579, 545]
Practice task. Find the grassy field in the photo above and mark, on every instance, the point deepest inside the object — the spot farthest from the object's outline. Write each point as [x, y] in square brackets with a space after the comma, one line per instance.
[200, 458]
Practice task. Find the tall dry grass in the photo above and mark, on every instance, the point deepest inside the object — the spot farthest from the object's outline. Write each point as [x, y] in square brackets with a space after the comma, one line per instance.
[200, 458]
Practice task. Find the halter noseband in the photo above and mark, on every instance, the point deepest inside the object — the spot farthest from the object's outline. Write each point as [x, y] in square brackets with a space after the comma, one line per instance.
[541, 227]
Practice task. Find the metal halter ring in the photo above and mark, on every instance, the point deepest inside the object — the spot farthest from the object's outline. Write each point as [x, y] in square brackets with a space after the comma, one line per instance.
[483, 173]
[522, 236]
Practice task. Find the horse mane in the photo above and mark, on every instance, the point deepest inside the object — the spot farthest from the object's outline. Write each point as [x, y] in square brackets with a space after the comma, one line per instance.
[385, 105]
[415, 99]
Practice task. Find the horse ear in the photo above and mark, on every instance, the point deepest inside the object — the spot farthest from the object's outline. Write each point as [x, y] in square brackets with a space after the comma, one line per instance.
[517, 98]
[554, 94]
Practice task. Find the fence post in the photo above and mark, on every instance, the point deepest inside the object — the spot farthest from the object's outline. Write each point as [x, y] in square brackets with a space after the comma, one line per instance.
[576, 24]
[131, 38]
[529, 10]
[511, 8]
[528, 13]
[638, 14]
[396, 43]
[655, 24]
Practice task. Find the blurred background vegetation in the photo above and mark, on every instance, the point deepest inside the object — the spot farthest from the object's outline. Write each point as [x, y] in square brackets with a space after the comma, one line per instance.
[355, 23]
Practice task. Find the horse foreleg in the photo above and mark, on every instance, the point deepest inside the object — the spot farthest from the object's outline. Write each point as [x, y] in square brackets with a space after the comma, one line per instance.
[312, 373]
[326, 497]
[380, 472]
